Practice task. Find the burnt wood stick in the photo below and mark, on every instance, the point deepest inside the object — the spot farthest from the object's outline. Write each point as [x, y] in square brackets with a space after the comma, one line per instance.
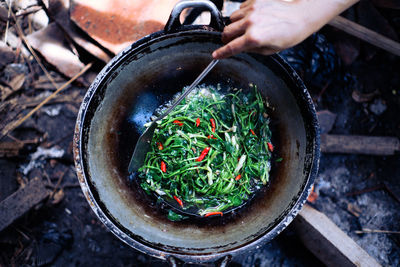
[358, 144]
[22, 201]
[10, 149]
[366, 34]
[16, 148]
[327, 242]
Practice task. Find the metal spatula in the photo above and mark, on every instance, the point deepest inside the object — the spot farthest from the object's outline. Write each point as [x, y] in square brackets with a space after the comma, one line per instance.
[144, 141]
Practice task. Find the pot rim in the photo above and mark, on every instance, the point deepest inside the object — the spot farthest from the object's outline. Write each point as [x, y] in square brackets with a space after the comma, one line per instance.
[313, 131]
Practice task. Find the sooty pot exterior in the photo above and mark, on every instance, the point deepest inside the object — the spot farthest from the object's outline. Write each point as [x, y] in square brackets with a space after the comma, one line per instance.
[123, 97]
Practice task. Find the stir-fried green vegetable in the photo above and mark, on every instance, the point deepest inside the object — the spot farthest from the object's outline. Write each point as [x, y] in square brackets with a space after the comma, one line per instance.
[212, 152]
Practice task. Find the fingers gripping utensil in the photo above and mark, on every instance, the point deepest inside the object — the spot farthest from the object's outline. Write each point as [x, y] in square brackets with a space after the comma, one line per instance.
[144, 141]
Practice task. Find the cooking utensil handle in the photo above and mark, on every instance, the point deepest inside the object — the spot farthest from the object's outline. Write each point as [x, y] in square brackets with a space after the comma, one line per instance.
[222, 262]
[187, 91]
[174, 23]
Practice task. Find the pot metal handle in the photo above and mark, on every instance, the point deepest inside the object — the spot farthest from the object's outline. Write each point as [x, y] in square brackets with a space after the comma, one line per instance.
[173, 22]
[222, 262]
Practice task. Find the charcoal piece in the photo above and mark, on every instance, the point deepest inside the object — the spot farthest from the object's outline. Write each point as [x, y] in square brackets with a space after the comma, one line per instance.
[315, 60]
[54, 235]
[52, 242]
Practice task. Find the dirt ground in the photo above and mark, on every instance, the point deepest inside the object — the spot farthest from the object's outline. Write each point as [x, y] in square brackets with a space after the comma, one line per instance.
[355, 191]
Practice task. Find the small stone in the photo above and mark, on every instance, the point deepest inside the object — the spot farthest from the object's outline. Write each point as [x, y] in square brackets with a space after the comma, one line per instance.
[52, 111]
[13, 40]
[326, 120]
[378, 106]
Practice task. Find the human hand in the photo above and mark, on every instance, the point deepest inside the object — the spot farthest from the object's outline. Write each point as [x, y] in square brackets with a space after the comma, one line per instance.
[269, 26]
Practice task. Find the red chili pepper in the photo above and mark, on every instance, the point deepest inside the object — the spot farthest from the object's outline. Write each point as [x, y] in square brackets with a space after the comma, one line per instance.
[178, 122]
[203, 154]
[211, 137]
[179, 201]
[252, 132]
[238, 177]
[160, 146]
[163, 166]
[212, 125]
[270, 147]
[214, 213]
[197, 122]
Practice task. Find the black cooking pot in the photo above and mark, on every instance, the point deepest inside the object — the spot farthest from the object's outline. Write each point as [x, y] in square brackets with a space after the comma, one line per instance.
[145, 75]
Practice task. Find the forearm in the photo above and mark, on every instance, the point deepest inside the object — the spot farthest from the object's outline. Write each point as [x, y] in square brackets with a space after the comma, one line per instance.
[269, 26]
[320, 12]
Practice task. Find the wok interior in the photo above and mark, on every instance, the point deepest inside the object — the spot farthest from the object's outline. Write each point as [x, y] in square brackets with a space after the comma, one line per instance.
[123, 101]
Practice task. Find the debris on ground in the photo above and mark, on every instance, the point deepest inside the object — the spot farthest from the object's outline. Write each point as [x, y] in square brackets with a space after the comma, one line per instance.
[326, 120]
[22, 201]
[49, 42]
[115, 23]
[51, 50]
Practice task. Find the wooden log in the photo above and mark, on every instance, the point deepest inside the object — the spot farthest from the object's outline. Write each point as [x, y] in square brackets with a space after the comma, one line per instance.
[327, 242]
[22, 201]
[357, 144]
[365, 34]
